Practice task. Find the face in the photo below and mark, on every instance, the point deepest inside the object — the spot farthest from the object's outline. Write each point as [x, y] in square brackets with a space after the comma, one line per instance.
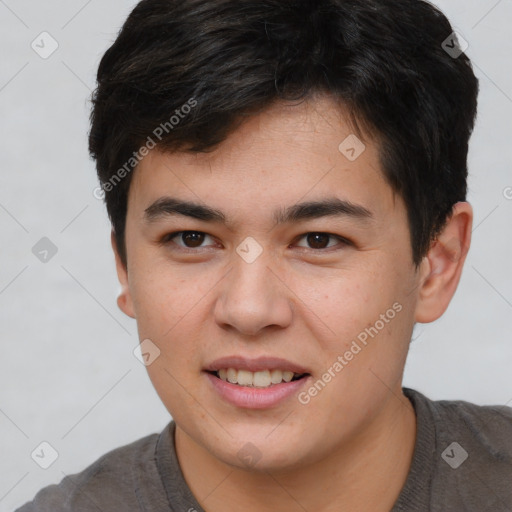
[278, 256]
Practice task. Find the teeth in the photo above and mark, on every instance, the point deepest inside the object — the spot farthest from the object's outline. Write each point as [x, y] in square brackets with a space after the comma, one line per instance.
[276, 376]
[244, 378]
[287, 376]
[262, 379]
[232, 375]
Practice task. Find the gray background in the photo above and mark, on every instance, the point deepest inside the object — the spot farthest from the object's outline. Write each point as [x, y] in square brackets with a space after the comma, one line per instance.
[68, 373]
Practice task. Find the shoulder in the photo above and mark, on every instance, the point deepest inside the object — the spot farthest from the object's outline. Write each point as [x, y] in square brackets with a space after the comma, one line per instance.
[108, 484]
[471, 457]
[486, 429]
[483, 427]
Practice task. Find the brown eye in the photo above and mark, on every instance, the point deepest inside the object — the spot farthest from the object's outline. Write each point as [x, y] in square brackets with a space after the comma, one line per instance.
[321, 241]
[186, 239]
[192, 238]
[318, 240]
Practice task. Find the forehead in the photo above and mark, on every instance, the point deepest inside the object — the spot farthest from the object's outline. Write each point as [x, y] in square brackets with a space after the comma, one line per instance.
[287, 154]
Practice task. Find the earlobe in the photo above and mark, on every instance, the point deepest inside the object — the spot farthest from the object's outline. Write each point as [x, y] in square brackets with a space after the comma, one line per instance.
[124, 300]
[442, 266]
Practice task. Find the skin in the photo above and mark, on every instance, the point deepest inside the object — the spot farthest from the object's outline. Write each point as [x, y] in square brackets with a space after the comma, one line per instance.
[350, 447]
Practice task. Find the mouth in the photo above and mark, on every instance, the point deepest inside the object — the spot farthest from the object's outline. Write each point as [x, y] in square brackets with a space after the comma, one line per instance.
[256, 383]
[259, 379]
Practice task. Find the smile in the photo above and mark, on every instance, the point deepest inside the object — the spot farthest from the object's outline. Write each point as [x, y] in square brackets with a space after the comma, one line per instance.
[260, 379]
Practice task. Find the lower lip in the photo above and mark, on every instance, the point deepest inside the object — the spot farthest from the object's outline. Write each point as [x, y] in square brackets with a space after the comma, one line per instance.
[255, 398]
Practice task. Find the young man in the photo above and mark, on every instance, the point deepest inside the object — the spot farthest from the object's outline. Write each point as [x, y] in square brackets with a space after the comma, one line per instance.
[286, 182]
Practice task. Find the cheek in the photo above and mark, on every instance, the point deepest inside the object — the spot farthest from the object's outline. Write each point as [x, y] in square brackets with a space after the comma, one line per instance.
[171, 310]
[155, 306]
[161, 296]
[341, 305]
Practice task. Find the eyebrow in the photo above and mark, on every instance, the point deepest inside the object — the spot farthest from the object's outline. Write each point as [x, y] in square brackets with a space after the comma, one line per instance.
[331, 207]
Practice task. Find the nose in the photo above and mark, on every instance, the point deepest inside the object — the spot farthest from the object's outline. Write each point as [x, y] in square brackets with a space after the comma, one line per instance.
[253, 298]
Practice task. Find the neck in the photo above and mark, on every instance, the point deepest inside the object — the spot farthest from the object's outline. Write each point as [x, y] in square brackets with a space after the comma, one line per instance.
[364, 474]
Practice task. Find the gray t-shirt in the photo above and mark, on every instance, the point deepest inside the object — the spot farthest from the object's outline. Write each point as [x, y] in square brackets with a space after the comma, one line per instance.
[462, 463]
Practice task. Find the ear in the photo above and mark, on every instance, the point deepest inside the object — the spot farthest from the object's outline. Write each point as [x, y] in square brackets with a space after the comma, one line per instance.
[442, 267]
[124, 300]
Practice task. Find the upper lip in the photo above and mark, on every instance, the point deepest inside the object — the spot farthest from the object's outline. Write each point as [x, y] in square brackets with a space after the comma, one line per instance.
[254, 364]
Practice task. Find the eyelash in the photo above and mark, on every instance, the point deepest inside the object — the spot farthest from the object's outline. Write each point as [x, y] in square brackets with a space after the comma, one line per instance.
[168, 239]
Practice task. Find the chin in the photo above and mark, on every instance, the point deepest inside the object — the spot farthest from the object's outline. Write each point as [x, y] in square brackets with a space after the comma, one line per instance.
[258, 453]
